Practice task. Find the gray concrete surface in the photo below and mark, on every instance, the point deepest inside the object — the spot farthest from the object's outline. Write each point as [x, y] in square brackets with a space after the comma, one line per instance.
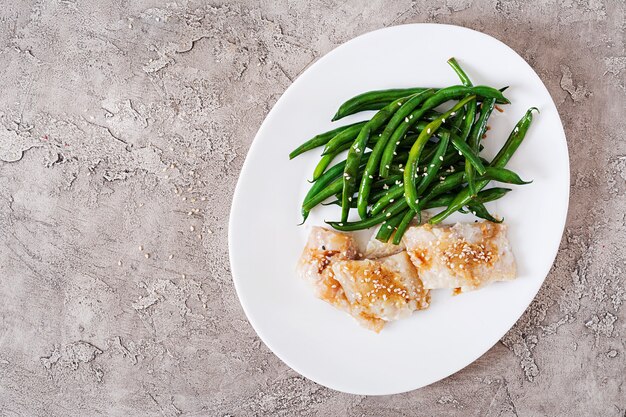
[123, 126]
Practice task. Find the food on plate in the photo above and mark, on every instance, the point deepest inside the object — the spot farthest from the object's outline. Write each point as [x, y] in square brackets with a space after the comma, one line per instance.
[381, 290]
[463, 257]
[377, 249]
[411, 156]
[377, 289]
[371, 291]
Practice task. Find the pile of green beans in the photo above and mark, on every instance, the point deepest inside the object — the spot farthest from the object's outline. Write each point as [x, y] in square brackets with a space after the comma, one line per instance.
[418, 159]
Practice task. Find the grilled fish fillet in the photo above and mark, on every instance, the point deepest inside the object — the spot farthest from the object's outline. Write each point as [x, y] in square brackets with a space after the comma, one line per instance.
[462, 257]
[372, 291]
[386, 288]
[377, 249]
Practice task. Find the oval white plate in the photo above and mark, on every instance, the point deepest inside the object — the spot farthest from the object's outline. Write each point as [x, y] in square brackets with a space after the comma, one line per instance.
[327, 345]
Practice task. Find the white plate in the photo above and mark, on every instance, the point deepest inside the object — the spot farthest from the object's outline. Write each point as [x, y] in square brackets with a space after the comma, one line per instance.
[327, 345]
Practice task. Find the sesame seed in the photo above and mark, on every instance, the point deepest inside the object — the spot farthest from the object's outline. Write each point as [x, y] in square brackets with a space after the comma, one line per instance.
[387, 166]
[432, 165]
[388, 227]
[147, 255]
[399, 103]
[388, 215]
[371, 177]
[340, 224]
[453, 113]
[191, 228]
[140, 247]
[349, 198]
[392, 200]
[398, 142]
[443, 120]
[460, 153]
[411, 116]
[428, 130]
[184, 198]
[395, 153]
[441, 158]
[183, 276]
[119, 263]
[406, 119]
[401, 165]
[417, 201]
[171, 256]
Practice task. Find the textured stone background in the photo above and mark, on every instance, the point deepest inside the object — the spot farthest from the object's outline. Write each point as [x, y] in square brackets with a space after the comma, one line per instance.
[123, 127]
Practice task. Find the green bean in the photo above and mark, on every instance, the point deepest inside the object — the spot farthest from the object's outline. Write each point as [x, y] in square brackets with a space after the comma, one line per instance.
[325, 179]
[491, 194]
[514, 140]
[469, 154]
[404, 224]
[468, 122]
[459, 71]
[480, 127]
[478, 130]
[410, 172]
[321, 139]
[389, 226]
[435, 164]
[394, 209]
[337, 202]
[350, 171]
[325, 160]
[479, 210]
[390, 180]
[506, 152]
[440, 97]
[372, 163]
[448, 184]
[502, 175]
[373, 100]
[395, 192]
[346, 136]
[332, 189]
[356, 150]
